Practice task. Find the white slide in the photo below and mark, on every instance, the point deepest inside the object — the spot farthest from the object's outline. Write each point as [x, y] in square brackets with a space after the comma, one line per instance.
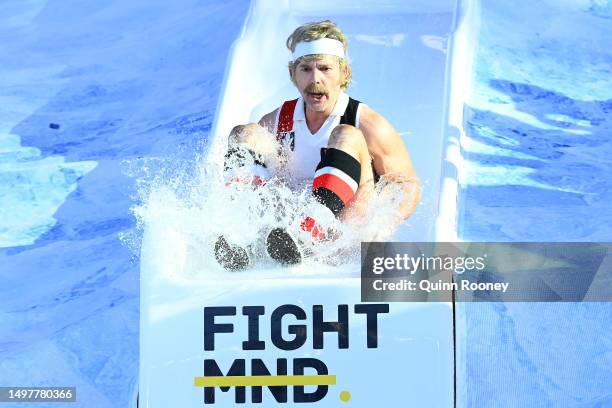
[411, 62]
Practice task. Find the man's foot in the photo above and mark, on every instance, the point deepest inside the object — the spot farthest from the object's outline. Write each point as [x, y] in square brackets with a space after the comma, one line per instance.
[282, 247]
[231, 257]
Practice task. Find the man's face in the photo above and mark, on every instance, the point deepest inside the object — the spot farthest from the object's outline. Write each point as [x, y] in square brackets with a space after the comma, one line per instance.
[318, 81]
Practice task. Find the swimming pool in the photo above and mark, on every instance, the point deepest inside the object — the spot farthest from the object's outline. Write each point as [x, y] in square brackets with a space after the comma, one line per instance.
[537, 151]
[538, 137]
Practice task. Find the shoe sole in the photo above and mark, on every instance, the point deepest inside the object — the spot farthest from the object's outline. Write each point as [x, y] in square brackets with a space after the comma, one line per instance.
[231, 257]
[282, 247]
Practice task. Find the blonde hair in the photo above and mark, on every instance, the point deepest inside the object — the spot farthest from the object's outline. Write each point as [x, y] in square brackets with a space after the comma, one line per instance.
[314, 31]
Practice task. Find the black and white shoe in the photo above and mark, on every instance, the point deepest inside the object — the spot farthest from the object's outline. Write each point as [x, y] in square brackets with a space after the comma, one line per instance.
[283, 248]
[230, 256]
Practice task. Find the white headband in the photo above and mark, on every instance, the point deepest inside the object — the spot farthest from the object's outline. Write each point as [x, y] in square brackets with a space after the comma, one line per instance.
[327, 46]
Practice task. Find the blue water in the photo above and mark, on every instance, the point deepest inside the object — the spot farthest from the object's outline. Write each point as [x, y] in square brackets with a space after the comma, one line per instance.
[127, 82]
[130, 82]
[538, 149]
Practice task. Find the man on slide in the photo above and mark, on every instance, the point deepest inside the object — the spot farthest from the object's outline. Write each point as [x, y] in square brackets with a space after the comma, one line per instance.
[340, 145]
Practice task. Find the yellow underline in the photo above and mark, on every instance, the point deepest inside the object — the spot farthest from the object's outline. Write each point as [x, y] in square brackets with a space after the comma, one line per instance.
[264, 380]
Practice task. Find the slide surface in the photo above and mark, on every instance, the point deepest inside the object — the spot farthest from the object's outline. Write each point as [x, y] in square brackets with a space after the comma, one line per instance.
[401, 62]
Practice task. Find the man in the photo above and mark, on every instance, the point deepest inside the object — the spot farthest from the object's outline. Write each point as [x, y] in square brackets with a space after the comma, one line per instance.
[335, 142]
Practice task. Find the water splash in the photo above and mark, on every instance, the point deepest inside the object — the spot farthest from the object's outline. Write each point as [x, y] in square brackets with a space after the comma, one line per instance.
[187, 208]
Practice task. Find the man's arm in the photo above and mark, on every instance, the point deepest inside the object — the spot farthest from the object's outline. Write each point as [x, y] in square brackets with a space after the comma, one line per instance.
[390, 156]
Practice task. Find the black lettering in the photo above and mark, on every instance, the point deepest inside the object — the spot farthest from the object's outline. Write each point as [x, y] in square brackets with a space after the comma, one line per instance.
[211, 369]
[371, 310]
[320, 327]
[299, 395]
[298, 330]
[253, 312]
[210, 327]
[278, 392]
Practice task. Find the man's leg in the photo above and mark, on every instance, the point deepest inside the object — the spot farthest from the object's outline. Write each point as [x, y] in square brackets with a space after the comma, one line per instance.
[344, 173]
[250, 160]
[345, 170]
[252, 151]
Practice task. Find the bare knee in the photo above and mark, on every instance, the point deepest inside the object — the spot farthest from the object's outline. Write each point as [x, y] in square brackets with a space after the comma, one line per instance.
[245, 134]
[349, 139]
[256, 139]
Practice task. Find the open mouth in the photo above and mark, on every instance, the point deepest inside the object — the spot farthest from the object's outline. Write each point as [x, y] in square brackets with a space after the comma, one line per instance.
[316, 96]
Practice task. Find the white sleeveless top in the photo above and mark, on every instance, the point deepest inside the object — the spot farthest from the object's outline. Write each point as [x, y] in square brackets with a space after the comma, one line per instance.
[307, 151]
